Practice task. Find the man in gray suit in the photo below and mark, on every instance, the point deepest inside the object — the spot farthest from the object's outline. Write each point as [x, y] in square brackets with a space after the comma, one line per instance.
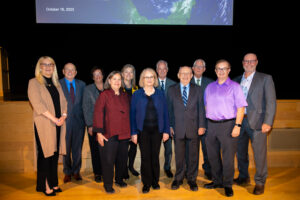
[187, 121]
[199, 68]
[164, 84]
[259, 90]
[73, 90]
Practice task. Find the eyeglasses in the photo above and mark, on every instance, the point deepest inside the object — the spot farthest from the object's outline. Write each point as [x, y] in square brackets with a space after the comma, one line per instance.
[47, 64]
[198, 66]
[148, 77]
[222, 69]
[249, 61]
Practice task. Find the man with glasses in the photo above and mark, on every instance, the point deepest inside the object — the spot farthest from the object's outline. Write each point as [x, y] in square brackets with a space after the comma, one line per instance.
[225, 104]
[259, 90]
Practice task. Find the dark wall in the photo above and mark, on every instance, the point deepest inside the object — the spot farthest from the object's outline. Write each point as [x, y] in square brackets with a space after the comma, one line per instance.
[255, 29]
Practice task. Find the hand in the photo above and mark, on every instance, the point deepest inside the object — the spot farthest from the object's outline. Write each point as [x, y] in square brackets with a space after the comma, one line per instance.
[201, 131]
[172, 131]
[236, 131]
[90, 131]
[265, 128]
[134, 139]
[101, 139]
[165, 137]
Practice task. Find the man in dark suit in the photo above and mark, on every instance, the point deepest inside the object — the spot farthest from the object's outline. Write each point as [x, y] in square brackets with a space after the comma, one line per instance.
[259, 90]
[73, 90]
[164, 84]
[187, 121]
[199, 68]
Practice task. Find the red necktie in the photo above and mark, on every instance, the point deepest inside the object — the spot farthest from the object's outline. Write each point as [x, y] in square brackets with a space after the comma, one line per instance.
[72, 93]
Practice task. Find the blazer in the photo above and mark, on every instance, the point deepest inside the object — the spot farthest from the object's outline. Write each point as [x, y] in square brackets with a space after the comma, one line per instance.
[138, 106]
[261, 100]
[204, 82]
[75, 118]
[168, 83]
[186, 120]
[90, 96]
[41, 102]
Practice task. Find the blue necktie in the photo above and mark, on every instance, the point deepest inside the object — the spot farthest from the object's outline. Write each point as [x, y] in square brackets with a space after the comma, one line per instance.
[184, 96]
[162, 86]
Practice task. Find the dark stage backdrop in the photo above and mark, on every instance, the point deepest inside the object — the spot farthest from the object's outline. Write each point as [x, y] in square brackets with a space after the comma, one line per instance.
[255, 29]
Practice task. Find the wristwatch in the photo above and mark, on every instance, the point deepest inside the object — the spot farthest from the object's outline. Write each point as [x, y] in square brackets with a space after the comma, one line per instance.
[239, 125]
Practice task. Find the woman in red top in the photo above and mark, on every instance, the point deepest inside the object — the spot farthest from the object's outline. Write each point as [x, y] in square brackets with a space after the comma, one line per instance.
[112, 125]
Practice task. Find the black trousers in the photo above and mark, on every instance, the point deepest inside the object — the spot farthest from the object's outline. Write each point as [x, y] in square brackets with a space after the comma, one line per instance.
[46, 167]
[150, 141]
[95, 154]
[219, 140]
[131, 154]
[113, 154]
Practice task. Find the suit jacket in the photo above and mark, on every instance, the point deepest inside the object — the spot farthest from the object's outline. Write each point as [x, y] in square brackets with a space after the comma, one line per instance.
[168, 83]
[41, 102]
[186, 120]
[75, 119]
[261, 100]
[90, 95]
[204, 82]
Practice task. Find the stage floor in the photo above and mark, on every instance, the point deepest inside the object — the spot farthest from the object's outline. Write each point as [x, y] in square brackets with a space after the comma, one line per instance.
[282, 183]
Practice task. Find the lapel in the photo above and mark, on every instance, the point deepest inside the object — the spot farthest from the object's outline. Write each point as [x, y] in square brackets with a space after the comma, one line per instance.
[178, 94]
[253, 84]
[65, 90]
[192, 94]
[77, 90]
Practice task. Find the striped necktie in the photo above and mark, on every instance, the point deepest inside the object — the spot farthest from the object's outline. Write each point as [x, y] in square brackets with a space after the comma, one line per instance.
[184, 96]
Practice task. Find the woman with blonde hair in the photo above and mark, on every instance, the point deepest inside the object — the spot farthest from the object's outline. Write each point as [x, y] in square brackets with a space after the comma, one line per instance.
[49, 114]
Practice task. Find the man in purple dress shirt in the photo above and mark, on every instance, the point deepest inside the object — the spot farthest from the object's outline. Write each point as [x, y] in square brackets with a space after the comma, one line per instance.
[225, 104]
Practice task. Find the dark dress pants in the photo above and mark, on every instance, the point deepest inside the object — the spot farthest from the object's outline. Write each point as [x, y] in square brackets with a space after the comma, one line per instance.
[149, 142]
[114, 155]
[131, 154]
[95, 154]
[46, 167]
[219, 140]
[168, 154]
[259, 146]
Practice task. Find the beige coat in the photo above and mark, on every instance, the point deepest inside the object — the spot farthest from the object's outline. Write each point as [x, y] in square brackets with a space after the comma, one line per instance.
[41, 102]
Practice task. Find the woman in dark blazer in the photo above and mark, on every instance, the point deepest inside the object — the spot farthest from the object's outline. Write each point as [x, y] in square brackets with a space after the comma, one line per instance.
[90, 95]
[49, 113]
[112, 125]
[149, 122]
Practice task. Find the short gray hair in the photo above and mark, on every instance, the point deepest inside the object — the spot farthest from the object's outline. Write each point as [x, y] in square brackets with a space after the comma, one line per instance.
[162, 61]
[204, 64]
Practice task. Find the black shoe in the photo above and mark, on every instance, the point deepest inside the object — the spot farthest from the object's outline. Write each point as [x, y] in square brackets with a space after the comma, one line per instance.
[121, 183]
[259, 189]
[146, 189]
[134, 172]
[155, 186]
[98, 178]
[169, 173]
[57, 190]
[193, 185]
[50, 194]
[241, 181]
[109, 189]
[228, 191]
[175, 185]
[212, 185]
[126, 176]
[208, 176]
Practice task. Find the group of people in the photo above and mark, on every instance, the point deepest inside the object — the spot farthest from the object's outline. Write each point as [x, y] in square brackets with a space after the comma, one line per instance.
[222, 115]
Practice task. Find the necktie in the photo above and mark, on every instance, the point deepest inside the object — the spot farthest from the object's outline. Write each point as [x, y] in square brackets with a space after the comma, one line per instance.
[198, 81]
[184, 96]
[72, 93]
[162, 86]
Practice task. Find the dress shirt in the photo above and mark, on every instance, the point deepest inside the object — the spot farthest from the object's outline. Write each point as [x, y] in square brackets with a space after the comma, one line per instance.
[68, 85]
[245, 84]
[187, 90]
[222, 101]
[196, 79]
[164, 80]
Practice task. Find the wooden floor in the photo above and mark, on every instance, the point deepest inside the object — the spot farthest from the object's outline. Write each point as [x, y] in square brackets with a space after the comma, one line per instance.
[283, 183]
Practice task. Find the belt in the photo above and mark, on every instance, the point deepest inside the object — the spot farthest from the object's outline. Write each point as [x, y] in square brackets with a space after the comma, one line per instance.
[221, 121]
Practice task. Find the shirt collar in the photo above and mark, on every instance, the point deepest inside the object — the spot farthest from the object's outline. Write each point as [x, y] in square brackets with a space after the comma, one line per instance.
[162, 80]
[249, 77]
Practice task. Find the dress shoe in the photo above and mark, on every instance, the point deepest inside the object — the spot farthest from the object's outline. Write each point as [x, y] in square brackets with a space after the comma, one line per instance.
[98, 178]
[67, 178]
[50, 194]
[109, 189]
[155, 186]
[212, 185]
[126, 176]
[259, 189]
[121, 183]
[175, 185]
[77, 177]
[146, 189]
[169, 173]
[241, 181]
[134, 172]
[228, 191]
[57, 190]
[193, 185]
[208, 176]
